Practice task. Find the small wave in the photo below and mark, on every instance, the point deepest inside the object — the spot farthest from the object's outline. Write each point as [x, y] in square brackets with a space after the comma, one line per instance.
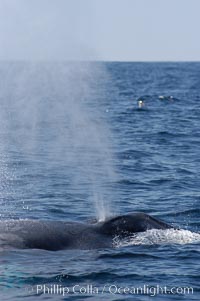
[194, 212]
[127, 255]
[154, 236]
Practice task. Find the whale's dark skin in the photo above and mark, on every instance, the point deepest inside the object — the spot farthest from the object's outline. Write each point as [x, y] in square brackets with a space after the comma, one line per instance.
[58, 235]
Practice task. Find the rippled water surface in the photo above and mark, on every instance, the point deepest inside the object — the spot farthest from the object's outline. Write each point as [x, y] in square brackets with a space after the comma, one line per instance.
[74, 144]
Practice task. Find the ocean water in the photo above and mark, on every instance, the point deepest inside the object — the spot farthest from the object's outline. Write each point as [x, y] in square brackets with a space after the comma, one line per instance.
[74, 144]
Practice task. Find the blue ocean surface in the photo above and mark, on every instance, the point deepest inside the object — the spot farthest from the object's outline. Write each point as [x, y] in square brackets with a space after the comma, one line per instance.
[91, 140]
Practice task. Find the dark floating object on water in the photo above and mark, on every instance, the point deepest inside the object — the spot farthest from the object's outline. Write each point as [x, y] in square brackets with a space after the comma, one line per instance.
[147, 100]
[169, 98]
[58, 235]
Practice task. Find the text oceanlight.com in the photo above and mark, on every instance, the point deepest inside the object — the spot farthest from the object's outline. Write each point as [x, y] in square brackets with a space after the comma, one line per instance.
[113, 289]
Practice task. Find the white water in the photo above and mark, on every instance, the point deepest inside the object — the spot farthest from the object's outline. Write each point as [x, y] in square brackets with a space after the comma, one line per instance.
[160, 237]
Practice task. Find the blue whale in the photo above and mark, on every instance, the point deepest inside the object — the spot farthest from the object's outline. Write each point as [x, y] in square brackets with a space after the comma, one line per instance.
[58, 235]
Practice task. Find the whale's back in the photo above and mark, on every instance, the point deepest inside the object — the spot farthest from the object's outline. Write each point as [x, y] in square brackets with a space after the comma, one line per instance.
[50, 235]
[57, 235]
[132, 223]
